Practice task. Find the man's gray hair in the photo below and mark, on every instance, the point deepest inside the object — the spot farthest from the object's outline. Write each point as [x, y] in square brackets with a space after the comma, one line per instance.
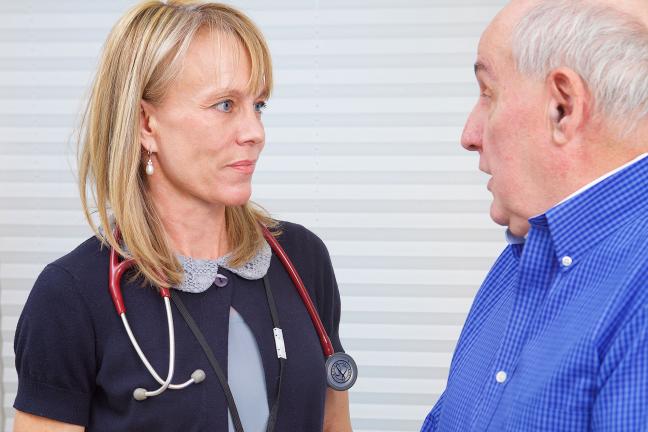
[607, 48]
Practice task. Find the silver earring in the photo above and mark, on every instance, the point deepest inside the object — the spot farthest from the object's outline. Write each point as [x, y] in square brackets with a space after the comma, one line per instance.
[149, 165]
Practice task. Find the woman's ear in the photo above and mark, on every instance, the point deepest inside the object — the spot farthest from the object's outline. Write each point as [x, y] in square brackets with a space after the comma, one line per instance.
[569, 101]
[148, 127]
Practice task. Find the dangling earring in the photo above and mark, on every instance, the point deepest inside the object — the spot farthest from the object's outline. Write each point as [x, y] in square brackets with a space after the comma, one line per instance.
[149, 165]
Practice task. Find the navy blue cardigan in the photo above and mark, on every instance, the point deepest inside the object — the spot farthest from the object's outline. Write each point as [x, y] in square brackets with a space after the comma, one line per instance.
[75, 363]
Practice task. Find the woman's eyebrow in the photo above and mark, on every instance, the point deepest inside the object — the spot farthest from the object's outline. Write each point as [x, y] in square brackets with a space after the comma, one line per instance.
[216, 92]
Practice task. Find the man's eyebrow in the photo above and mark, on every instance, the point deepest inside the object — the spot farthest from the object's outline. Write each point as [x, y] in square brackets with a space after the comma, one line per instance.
[479, 66]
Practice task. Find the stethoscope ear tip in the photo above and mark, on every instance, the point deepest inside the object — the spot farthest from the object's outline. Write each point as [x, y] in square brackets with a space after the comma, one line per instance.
[139, 394]
[198, 376]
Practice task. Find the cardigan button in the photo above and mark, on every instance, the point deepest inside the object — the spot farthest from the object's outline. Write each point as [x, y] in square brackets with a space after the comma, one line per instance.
[220, 281]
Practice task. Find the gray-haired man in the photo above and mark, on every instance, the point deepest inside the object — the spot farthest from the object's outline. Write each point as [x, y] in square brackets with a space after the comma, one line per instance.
[557, 338]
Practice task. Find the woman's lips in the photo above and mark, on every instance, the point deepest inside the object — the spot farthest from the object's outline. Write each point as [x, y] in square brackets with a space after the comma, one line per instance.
[244, 166]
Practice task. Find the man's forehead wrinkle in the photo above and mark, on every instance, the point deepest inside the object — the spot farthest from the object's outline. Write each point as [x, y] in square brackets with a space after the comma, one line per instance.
[493, 50]
[496, 43]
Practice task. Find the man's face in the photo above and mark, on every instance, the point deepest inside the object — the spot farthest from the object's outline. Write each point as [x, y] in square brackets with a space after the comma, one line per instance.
[509, 128]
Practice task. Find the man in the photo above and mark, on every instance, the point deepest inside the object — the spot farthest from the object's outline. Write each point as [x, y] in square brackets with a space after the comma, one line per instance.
[557, 338]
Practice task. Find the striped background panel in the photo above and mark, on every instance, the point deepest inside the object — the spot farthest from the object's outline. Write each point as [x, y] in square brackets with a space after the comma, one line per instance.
[362, 147]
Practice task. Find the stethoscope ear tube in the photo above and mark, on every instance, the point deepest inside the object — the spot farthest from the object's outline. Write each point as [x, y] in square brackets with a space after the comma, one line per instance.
[116, 271]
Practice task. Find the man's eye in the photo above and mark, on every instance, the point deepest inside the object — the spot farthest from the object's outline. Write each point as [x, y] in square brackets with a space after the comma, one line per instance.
[260, 106]
[225, 106]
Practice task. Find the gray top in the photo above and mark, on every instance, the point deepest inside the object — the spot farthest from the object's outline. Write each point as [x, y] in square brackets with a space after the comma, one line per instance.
[246, 376]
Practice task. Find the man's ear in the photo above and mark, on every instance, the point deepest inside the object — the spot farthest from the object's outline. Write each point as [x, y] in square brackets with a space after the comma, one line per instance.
[148, 125]
[569, 101]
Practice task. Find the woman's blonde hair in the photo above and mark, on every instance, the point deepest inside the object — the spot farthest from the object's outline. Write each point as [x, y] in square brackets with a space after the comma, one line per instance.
[142, 56]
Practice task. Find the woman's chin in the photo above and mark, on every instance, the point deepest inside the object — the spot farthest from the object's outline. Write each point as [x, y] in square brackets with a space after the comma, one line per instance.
[234, 198]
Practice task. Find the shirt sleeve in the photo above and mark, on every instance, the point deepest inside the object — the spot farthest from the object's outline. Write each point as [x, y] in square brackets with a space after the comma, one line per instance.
[432, 420]
[622, 401]
[55, 350]
[328, 296]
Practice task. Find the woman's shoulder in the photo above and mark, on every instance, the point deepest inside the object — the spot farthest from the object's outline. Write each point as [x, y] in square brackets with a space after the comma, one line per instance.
[300, 240]
[306, 250]
[84, 257]
[73, 286]
[81, 266]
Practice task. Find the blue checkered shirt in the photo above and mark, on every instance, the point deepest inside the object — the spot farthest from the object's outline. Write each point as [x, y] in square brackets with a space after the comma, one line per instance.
[557, 337]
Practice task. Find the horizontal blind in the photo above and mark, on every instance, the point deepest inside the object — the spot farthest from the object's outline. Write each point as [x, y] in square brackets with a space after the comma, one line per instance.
[362, 148]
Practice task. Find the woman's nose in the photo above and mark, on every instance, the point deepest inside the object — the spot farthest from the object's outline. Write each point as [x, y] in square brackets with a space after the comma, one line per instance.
[251, 130]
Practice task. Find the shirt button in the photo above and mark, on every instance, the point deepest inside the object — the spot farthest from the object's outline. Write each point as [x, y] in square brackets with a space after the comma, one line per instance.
[566, 261]
[500, 377]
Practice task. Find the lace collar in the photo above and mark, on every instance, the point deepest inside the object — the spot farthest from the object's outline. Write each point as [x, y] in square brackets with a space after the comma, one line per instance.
[200, 274]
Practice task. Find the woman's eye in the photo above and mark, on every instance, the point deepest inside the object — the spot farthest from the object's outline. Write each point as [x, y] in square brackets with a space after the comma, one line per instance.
[225, 106]
[260, 106]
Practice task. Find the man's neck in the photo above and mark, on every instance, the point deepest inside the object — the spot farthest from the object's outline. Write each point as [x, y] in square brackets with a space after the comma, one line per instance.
[603, 177]
[601, 153]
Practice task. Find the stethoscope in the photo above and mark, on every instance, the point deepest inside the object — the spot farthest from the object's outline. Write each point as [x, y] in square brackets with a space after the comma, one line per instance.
[341, 369]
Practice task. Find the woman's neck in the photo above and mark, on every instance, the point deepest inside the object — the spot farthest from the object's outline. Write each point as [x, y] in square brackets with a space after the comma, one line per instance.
[195, 229]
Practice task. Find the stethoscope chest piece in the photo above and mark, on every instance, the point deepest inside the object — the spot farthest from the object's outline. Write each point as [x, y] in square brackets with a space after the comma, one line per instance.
[341, 371]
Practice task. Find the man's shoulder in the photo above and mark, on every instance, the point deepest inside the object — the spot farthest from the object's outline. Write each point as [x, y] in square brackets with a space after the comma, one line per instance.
[503, 270]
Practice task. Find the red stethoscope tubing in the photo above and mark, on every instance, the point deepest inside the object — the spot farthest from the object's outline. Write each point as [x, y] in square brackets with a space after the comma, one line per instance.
[117, 270]
[325, 341]
[115, 274]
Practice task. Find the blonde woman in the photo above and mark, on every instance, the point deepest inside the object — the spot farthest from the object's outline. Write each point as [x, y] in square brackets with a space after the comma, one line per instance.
[169, 144]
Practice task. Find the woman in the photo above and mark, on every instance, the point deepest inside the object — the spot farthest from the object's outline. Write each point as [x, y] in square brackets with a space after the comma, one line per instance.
[170, 141]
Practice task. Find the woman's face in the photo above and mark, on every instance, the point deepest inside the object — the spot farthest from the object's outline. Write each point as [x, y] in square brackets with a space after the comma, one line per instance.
[206, 134]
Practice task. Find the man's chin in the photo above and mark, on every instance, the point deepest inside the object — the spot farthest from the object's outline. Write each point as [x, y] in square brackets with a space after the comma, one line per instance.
[498, 216]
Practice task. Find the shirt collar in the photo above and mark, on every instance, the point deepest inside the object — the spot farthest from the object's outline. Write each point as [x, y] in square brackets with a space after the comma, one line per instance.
[603, 177]
[512, 239]
[595, 211]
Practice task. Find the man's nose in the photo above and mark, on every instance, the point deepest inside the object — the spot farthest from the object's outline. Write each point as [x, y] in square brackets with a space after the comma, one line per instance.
[471, 138]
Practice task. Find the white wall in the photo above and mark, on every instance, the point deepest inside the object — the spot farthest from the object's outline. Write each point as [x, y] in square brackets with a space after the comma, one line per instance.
[362, 148]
